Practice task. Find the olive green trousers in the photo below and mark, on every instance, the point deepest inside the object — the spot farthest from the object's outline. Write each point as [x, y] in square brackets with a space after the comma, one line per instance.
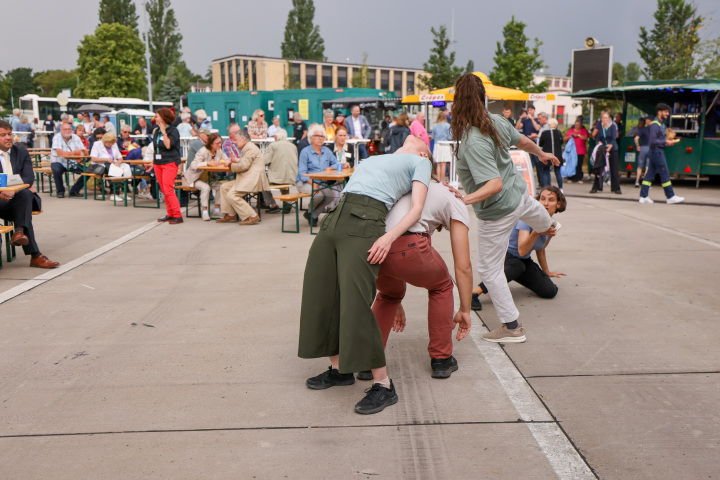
[339, 287]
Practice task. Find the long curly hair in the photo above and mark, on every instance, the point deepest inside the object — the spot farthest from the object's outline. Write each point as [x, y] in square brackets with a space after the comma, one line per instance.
[469, 110]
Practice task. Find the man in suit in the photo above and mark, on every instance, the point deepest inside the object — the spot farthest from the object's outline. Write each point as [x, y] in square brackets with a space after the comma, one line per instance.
[251, 178]
[358, 127]
[19, 205]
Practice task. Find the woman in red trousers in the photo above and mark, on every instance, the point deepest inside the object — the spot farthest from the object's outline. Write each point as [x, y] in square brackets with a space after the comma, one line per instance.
[166, 144]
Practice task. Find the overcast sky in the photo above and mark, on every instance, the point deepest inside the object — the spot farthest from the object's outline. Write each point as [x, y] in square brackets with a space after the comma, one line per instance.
[391, 33]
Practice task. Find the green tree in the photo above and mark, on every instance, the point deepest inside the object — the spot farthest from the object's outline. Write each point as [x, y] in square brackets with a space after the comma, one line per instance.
[164, 38]
[361, 79]
[182, 79]
[169, 91]
[302, 36]
[515, 62]
[669, 49]
[118, 11]
[618, 73]
[470, 67]
[16, 83]
[111, 63]
[440, 64]
[709, 55]
[52, 82]
[632, 72]
[292, 81]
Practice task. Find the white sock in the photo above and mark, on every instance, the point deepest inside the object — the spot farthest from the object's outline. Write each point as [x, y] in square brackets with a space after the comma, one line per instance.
[385, 382]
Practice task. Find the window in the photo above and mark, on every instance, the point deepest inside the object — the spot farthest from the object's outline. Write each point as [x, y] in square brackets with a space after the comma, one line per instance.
[397, 83]
[222, 77]
[411, 83]
[326, 76]
[253, 66]
[371, 77]
[310, 76]
[342, 74]
[384, 80]
[238, 70]
[564, 84]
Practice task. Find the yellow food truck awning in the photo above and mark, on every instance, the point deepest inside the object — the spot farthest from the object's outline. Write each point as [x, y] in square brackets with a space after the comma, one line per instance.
[493, 92]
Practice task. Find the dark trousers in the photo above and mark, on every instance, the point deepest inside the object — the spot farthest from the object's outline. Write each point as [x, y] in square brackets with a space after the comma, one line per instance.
[362, 151]
[614, 171]
[339, 287]
[19, 211]
[657, 165]
[579, 169]
[528, 274]
[58, 170]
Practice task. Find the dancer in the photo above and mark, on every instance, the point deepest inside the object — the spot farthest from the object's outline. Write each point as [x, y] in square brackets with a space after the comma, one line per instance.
[497, 193]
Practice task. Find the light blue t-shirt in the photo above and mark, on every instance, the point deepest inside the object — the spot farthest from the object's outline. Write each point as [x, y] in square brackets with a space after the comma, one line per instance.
[441, 132]
[513, 245]
[388, 177]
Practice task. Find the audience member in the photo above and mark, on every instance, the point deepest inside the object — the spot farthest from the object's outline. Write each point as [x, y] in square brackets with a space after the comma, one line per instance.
[272, 129]
[257, 126]
[281, 158]
[65, 145]
[397, 134]
[210, 155]
[341, 149]
[417, 128]
[550, 141]
[358, 128]
[107, 152]
[328, 125]
[579, 135]
[441, 153]
[203, 119]
[299, 130]
[143, 129]
[316, 158]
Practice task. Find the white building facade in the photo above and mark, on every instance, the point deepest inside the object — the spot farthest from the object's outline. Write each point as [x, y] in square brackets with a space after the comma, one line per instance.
[565, 109]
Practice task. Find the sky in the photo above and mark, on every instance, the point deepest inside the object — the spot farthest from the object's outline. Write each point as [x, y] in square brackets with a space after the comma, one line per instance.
[389, 31]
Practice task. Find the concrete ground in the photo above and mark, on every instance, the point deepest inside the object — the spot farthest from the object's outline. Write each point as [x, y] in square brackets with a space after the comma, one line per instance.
[170, 352]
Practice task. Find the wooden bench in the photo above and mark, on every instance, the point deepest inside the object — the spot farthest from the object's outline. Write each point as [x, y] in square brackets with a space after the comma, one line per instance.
[115, 181]
[292, 199]
[98, 178]
[7, 230]
[40, 173]
[190, 190]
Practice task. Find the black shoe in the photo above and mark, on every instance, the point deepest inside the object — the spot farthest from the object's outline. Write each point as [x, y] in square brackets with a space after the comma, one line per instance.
[594, 190]
[307, 217]
[274, 209]
[476, 305]
[77, 195]
[365, 375]
[377, 398]
[618, 192]
[61, 195]
[330, 378]
[443, 367]
[287, 208]
[164, 219]
[175, 220]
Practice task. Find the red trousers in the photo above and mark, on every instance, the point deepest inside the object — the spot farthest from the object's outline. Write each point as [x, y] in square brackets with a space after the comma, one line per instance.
[165, 175]
[413, 260]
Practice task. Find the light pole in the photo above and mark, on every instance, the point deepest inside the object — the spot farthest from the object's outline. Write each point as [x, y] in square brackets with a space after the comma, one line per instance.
[147, 57]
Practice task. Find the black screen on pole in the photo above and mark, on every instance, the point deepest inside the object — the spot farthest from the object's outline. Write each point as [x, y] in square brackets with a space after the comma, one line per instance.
[591, 69]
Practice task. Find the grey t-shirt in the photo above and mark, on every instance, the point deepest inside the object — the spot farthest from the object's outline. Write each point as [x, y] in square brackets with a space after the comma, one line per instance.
[441, 207]
[479, 160]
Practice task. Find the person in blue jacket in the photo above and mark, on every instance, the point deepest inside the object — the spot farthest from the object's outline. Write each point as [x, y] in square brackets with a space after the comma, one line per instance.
[657, 141]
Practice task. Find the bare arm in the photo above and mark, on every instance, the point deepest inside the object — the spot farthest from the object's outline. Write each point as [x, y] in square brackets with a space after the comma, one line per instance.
[526, 240]
[381, 247]
[491, 187]
[463, 275]
[542, 261]
[531, 147]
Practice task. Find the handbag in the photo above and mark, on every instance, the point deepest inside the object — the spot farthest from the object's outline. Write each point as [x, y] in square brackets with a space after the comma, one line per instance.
[96, 169]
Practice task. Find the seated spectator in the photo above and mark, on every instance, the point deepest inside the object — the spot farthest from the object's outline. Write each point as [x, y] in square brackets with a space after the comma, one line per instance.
[80, 132]
[203, 119]
[185, 127]
[198, 143]
[281, 157]
[77, 120]
[339, 119]
[341, 149]
[212, 155]
[329, 125]
[523, 240]
[65, 145]
[230, 146]
[105, 151]
[316, 158]
[398, 133]
[250, 178]
[95, 137]
[305, 141]
[88, 123]
[125, 142]
[272, 129]
[143, 129]
[257, 126]
[108, 125]
[18, 206]
[25, 138]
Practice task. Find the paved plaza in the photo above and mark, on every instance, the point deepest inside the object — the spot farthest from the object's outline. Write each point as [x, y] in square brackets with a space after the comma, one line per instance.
[161, 351]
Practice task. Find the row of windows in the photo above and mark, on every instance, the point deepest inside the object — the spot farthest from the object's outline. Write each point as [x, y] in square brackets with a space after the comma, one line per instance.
[342, 78]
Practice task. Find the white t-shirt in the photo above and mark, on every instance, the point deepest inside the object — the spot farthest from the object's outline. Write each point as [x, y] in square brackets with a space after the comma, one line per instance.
[99, 150]
[440, 208]
[357, 127]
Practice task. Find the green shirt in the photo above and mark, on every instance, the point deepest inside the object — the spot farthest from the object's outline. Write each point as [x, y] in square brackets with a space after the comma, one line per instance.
[479, 161]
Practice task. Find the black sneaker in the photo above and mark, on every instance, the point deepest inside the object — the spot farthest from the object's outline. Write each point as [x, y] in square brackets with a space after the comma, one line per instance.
[164, 219]
[330, 378]
[61, 195]
[274, 209]
[77, 195]
[307, 217]
[365, 375]
[475, 304]
[443, 367]
[175, 220]
[377, 398]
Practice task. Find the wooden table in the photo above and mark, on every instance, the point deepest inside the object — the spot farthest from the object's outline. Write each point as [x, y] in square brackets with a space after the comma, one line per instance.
[15, 188]
[206, 168]
[326, 177]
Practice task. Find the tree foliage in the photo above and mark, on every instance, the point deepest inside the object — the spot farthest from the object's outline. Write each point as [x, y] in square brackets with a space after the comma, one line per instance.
[361, 77]
[169, 91]
[164, 38]
[111, 63]
[709, 58]
[440, 64]
[669, 49]
[302, 36]
[515, 62]
[51, 82]
[470, 67]
[118, 11]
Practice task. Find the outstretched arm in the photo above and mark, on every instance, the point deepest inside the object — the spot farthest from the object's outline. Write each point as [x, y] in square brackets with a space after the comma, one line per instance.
[530, 147]
[463, 275]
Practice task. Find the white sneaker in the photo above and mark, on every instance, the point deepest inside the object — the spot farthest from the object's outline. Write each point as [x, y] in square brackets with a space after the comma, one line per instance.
[216, 213]
[205, 216]
[645, 200]
[118, 198]
[675, 199]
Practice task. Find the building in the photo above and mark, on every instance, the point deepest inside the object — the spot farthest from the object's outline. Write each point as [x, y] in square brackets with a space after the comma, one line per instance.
[249, 72]
[564, 108]
[201, 87]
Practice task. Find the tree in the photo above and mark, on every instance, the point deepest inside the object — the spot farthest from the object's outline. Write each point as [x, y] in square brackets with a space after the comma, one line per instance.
[515, 62]
[632, 72]
[440, 65]
[569, 72]
[361, 79]
[292, 81]
[709, 54]
[164, 38]
[111, 63]
[17, 82]
[169, 91]
[118, 11]
[669, 49]
[302, 36]
[470, 67]
[618, 73]
[52, 82]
